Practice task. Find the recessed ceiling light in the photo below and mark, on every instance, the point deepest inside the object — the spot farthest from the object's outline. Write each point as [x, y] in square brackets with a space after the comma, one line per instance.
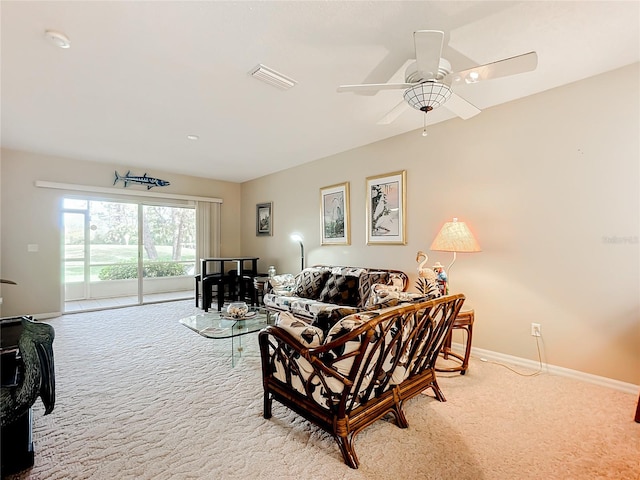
[193, 137]
[58, 39]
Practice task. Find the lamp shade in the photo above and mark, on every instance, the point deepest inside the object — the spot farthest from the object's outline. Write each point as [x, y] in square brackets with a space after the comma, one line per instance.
[455, 236]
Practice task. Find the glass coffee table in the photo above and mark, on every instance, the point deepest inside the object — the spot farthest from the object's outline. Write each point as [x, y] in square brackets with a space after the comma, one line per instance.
[217, 325]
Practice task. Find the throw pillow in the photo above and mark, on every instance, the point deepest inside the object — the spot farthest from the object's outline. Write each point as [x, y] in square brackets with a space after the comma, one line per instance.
[348, 271]
[310, 281]
[306, 334]
[341, 290]
[367, 280]
[397, 280]
[283, 285]
[381, 293]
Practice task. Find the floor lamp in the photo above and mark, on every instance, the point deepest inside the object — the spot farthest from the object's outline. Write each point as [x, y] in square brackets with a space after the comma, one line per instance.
[298, 238]
[455, 237]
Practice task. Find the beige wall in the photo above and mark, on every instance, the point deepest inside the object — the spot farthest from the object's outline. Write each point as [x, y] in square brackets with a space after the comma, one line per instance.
[31, 215]
[550, 186]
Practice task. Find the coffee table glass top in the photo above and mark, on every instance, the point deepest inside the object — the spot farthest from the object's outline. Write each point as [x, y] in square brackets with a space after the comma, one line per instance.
[214, 324]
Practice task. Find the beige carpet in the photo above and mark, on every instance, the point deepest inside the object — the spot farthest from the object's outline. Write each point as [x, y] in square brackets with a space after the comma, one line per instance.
[140, 396]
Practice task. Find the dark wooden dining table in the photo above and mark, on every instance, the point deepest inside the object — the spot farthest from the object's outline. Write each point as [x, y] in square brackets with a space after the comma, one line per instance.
[219, 264]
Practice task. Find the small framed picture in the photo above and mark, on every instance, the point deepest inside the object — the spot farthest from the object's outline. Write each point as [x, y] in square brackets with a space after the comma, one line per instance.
[334, 215]
[386, 209]
[264, 219]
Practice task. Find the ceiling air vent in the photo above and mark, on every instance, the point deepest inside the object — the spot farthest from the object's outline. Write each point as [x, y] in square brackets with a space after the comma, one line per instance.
[272, 77]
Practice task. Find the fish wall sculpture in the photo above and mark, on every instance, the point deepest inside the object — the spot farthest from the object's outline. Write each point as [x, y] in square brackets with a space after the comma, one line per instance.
[149, 182]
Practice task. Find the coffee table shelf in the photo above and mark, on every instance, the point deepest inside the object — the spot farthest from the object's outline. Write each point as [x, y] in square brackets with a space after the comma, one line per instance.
[216, 326]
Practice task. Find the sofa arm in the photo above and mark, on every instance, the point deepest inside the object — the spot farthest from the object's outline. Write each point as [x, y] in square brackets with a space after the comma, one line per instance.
[280, 284]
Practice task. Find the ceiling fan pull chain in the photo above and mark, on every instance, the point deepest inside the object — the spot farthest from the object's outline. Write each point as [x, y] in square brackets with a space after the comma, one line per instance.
[424, 130]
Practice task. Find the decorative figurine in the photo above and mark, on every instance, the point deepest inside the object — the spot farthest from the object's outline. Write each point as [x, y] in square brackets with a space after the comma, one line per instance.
[427, 273]
[441, 278]
[426, 276]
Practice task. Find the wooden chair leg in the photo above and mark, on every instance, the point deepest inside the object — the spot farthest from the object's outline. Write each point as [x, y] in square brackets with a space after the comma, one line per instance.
[401, 419]
[436, 390]
[467, 351]
[346, 448]
[267, 405]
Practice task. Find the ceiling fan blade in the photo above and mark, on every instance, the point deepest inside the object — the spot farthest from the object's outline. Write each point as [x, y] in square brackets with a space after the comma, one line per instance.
[374, 87]
[428, 45]
[459, 106]
[502, 68]
[394, 113]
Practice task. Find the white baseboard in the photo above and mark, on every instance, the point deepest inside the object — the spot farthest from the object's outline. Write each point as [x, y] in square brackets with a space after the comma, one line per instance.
[45, 316]
[552, 369]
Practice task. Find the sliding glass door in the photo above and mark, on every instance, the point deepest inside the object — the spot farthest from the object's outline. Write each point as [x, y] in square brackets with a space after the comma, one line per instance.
[124, 253]
[168, 251]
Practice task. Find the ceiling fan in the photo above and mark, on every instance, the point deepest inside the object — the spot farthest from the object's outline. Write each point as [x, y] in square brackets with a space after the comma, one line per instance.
[429, 79]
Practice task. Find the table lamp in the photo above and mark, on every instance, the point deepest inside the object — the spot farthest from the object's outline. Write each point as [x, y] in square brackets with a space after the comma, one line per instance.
[455, 237]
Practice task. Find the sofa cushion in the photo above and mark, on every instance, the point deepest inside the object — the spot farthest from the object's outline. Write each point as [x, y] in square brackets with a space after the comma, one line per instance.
[306, 334]
[328, 317]
[341, 328]
[278, 302]
[341, 290]
[307, 308]
[383, 303]
[310, 281]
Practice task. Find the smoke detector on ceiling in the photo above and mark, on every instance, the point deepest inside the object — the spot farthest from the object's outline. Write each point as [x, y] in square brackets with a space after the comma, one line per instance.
[58, 39]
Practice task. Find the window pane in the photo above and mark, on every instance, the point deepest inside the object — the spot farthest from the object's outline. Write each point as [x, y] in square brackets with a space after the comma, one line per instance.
[114, 232]
[169, 237]
[74, 271]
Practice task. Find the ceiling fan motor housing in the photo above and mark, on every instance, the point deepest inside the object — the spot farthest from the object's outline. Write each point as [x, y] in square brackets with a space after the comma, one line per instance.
[412, 75]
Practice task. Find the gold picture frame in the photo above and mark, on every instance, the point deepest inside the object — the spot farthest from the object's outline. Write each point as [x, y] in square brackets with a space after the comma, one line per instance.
[386, 209]
[335, 226]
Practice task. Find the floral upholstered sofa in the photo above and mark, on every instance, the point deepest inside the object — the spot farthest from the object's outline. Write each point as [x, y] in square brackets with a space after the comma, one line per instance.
[367, 365]
[323, 294]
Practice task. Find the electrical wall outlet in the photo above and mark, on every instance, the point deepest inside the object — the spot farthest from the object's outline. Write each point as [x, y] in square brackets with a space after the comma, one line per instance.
[536, 330]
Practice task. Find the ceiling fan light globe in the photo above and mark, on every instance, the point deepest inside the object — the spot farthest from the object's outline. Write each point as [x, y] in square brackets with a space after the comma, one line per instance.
[427, 96]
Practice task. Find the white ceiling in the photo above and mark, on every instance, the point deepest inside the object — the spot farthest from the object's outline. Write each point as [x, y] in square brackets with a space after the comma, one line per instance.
[141, 76]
